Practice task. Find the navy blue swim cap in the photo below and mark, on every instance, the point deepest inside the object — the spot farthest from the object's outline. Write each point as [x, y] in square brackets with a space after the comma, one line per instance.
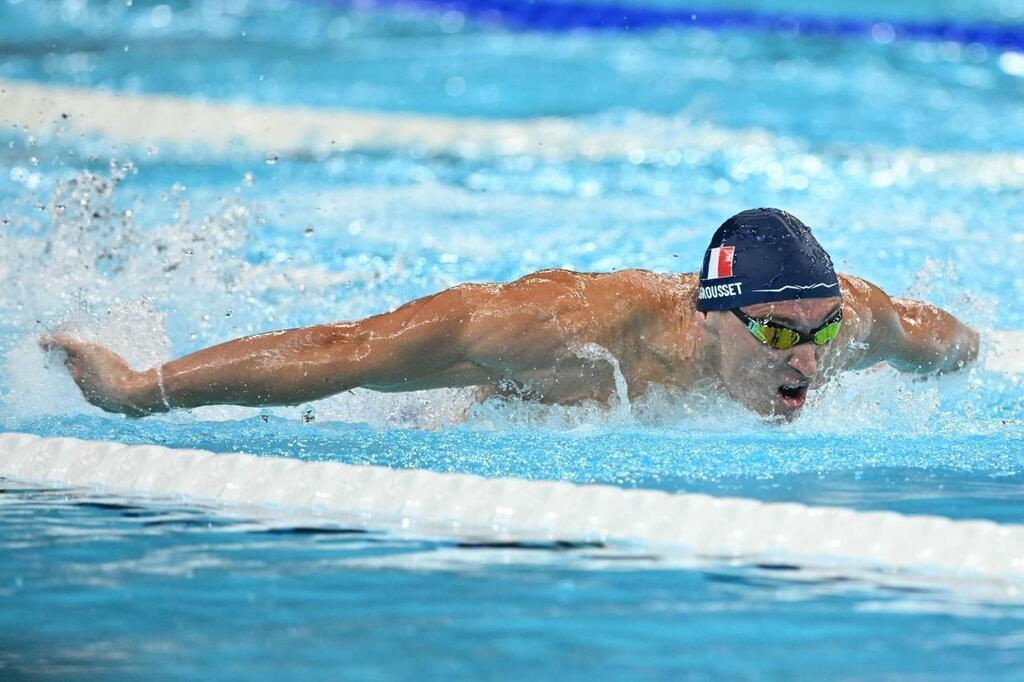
[761, 256]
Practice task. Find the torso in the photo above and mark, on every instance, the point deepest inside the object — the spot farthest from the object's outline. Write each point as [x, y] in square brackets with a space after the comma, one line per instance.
[556, 336]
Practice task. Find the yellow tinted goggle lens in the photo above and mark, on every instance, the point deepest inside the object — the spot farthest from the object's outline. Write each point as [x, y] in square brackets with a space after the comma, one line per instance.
[827, 333]
[778, 338]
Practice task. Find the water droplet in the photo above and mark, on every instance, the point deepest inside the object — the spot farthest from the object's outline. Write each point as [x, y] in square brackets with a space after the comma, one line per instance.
[455, 86]
[452, 21]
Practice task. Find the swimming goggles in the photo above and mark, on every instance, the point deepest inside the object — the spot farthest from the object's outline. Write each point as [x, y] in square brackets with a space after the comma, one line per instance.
[780, 338]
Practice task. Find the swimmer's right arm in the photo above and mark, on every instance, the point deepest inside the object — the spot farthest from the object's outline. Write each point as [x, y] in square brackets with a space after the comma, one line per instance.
[420, 345]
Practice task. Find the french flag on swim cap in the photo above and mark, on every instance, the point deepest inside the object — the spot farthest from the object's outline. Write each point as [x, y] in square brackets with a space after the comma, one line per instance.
[720, 262]
[779, 260]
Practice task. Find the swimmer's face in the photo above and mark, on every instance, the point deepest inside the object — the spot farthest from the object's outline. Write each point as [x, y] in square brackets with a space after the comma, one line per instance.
[765, 380]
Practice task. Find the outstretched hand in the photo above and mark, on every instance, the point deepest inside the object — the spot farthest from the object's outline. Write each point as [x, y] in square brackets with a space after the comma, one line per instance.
[104, 377]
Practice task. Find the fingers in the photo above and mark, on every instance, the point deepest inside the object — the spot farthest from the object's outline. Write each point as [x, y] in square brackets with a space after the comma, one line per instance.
[71, 350]
[48, 343]
[100, 373]
[75, 360]
[58, 342]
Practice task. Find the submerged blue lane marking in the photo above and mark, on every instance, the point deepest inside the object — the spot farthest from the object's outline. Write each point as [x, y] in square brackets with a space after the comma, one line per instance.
[551, 15]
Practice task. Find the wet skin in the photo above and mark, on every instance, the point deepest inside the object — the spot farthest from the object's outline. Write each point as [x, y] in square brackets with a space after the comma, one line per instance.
[548, 336]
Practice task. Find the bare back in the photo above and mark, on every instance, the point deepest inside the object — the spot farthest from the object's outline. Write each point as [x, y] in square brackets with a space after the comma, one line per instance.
[558, 335]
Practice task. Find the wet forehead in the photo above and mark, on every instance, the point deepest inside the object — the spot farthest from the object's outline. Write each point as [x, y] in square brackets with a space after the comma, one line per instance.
[804, 313]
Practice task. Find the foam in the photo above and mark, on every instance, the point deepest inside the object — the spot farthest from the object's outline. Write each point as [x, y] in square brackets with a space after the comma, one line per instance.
[544, 510]
[1005, 352]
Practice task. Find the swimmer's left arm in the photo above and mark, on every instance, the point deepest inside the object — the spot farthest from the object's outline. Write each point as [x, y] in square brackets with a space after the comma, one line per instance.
[914, 336]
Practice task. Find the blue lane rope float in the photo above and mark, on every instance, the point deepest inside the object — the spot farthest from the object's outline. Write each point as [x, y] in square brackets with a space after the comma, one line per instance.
[552, 15]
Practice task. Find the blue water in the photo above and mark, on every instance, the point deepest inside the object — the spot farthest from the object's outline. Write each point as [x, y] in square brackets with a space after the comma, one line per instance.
[158, 251]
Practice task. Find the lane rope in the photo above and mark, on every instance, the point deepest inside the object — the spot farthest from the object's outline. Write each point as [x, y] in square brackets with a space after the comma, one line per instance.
[229, 128]
[556, 16]
[545, 510]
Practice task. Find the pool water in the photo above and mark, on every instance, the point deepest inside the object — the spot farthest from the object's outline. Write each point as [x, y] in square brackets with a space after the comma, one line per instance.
[158, 250]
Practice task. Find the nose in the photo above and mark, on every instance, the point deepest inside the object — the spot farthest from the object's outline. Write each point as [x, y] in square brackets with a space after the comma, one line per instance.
[804, 360]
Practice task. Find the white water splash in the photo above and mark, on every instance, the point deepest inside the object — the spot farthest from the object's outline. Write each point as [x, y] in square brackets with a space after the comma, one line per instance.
[597, 353]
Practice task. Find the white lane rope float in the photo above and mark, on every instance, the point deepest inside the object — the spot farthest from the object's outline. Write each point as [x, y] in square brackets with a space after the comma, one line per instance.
[542, 510]
[224, 128]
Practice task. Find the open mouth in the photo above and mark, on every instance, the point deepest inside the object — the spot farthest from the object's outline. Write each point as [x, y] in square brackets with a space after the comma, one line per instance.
[793, 395]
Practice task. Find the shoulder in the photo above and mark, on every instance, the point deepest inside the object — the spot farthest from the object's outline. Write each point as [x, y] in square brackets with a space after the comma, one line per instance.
[865, 304]
[869, 320]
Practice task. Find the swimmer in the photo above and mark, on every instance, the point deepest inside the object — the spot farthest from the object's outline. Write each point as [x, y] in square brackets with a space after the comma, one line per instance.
[764, 321]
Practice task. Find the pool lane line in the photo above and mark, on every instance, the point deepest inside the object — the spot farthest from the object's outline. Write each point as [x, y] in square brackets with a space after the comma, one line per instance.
[229, 129]
[713, 527]
[554, 16]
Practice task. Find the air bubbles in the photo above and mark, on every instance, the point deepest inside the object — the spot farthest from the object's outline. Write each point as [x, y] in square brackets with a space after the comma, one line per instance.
[339, 28]
[23, 176]
[455, 86]
[883, 33]
[799, 182]
[950, 51]
[589, 188]
[1012, 63]
[452, 21]
[1011, 9]
[160, 16]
